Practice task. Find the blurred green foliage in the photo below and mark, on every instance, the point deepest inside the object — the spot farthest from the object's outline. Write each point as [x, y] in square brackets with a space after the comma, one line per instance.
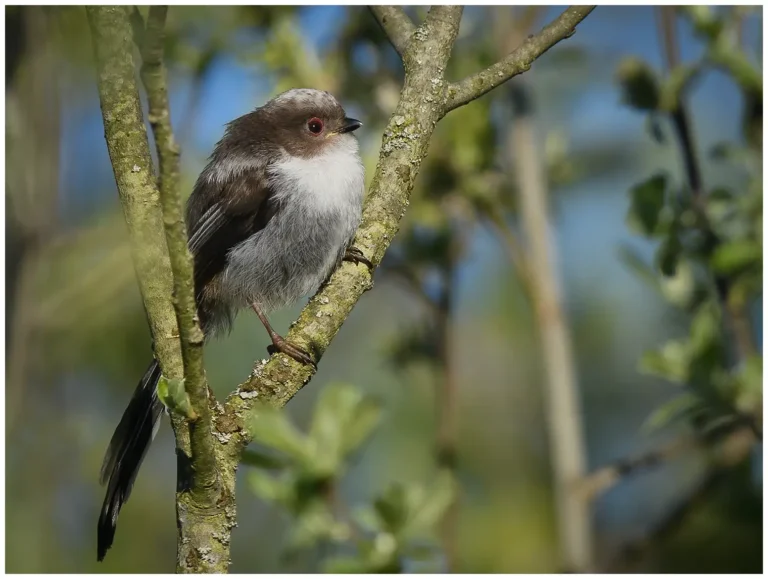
[383, 534]
[85, 342]
[709, 241]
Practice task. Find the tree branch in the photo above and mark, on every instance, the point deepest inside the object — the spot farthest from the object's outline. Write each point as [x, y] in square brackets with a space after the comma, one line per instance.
[153, 75]
[205, 498]
[563, 408]
[404, 146]
[205, 487]
[518, 61]
[396, 24]
[606, 477]
[132, 165]
[736, 322]
[731, 451]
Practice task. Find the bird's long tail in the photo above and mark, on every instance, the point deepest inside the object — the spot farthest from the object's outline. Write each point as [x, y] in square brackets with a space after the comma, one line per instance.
[126, 451]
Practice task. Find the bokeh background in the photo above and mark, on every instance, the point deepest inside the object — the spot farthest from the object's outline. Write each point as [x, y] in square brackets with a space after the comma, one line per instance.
[78, 340]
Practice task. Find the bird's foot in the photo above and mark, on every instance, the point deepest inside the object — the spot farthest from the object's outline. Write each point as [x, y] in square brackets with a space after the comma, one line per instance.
[356, 256]
[280, 344]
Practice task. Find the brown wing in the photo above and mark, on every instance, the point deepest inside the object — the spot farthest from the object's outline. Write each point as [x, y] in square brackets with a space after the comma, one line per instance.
[244, 206]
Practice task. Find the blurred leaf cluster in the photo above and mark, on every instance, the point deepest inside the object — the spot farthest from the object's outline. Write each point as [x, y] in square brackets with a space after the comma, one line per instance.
[79, 338]
[708, 259]
[380, 537]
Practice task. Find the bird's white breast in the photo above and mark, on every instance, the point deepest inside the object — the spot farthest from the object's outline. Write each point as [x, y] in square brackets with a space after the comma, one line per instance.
[320, 208]
[332, 181]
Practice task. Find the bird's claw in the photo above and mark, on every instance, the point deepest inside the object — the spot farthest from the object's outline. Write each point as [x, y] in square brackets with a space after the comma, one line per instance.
[284, 347]
[354, 255]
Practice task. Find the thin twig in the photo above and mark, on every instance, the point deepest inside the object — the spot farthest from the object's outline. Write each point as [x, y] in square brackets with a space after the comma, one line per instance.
[205, 482]
[396, 24]
[518, 61]
[606, 477]
[727, 454]
[154, 77]
[631, 553]
[736, 321]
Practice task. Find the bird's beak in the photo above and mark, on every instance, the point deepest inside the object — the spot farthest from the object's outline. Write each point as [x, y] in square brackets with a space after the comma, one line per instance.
[349, 126]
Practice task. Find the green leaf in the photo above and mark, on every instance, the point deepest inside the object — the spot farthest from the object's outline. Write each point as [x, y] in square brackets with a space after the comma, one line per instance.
[316, 523]
[639, 84]
[634, 261]
[675, 84]
[392, 508]
[346, 565]
[259, 459]
[646, 205]
[680, 288]
[439, 498]
[368, 519]
[362, 425]
[668, 254]
[737, 255]
[342, 420]
[272, 428]
[670, 411]
[269, 488]
[671, 362]
[705, 329]
[173, 395]
[749, 385]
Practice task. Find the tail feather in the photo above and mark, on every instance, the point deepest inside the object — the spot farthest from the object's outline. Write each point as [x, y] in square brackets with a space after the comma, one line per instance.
[126, 452]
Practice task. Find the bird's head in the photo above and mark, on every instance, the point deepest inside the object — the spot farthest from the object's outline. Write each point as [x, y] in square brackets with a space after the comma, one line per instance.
[307, 122]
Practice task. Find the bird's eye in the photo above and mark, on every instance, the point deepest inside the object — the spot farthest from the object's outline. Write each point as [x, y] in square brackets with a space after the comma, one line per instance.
[315, 126]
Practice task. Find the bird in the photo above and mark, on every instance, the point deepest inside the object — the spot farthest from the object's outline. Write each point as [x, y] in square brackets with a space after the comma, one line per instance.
[270, 217]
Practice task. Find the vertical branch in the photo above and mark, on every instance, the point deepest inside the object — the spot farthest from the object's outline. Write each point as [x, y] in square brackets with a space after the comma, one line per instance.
[562, 397]
[541, 281]
[680, 118]
[153, 75]
[447, 389]
[132, 165]
[205, 508]
[736, 319]
[32, 185]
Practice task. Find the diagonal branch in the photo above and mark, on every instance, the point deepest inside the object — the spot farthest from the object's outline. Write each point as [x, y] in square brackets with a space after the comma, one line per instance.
[518, 61]
[606, 477]
[404, 146]
[727, 454]
[396, 24]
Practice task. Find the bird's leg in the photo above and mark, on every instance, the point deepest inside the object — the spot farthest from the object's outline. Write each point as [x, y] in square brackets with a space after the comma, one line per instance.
[279, 344]
[356, 256]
